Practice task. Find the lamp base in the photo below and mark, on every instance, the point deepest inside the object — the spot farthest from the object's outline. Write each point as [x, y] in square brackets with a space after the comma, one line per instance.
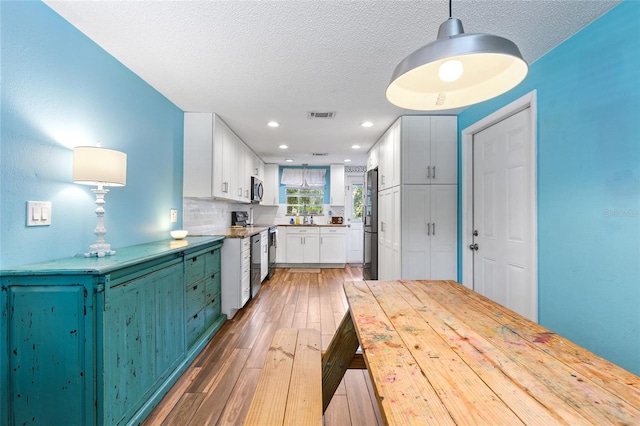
[100, 250]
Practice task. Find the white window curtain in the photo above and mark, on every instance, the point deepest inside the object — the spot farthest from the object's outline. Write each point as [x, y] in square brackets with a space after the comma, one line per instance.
[303, 178]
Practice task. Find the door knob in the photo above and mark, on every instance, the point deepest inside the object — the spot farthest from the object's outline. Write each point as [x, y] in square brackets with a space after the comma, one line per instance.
[475, 233]
[473, 246]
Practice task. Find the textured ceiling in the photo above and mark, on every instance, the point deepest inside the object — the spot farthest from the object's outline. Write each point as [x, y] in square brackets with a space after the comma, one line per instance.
[255, 61]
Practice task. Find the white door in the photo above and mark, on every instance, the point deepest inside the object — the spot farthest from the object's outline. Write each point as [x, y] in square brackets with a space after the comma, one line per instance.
[502, 214]
[353, 215]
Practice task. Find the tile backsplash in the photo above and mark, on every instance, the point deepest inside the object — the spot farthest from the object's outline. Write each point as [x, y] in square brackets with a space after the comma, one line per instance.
[208, 216]
[202, 215]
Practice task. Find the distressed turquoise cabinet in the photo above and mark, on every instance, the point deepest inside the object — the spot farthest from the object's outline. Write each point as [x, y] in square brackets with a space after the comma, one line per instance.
[100, 341]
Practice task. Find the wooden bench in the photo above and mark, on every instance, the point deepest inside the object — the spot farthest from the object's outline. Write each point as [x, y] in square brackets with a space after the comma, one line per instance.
[289, 390]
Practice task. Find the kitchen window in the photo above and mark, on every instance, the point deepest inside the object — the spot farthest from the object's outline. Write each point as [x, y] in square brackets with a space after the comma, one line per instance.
[304, 190]
[305, 201]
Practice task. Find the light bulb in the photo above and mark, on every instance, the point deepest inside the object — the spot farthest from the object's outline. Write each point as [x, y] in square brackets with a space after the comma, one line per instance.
[450, 70]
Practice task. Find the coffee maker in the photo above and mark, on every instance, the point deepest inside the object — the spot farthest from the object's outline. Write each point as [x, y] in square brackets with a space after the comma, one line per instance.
[239, 218]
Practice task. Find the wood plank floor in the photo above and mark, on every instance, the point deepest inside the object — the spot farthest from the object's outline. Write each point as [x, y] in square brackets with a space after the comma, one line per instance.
[217, 388]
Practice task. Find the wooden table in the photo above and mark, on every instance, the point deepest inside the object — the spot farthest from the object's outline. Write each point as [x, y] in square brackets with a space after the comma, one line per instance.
[438, 353]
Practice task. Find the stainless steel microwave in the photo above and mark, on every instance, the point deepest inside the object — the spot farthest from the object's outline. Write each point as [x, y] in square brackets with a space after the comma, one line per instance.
[256, 190]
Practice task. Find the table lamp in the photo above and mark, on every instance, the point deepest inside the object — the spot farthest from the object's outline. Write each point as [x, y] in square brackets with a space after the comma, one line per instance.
[93, 165]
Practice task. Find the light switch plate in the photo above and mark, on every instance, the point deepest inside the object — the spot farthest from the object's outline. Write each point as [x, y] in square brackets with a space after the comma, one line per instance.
[38, 213]
[174, 215]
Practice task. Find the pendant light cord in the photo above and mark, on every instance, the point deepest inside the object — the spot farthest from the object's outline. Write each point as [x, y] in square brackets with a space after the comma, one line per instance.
[450, 10]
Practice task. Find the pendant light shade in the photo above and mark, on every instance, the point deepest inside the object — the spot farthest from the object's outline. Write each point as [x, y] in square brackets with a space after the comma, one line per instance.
[456, 70]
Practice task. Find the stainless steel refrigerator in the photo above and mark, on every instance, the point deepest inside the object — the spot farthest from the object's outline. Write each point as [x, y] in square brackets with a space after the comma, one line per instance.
[370, 263]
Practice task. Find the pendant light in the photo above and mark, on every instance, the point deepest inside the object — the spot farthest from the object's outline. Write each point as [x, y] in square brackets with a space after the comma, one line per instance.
[456, 70]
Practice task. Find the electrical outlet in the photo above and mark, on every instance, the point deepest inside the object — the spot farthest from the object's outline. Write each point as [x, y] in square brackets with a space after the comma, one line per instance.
[174, 215]
[38, 213]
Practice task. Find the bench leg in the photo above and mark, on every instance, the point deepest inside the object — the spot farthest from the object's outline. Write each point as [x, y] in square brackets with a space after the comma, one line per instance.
[337, 358]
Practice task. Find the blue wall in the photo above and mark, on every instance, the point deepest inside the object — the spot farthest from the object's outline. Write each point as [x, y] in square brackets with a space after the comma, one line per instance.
[60, 90]
[589, 184]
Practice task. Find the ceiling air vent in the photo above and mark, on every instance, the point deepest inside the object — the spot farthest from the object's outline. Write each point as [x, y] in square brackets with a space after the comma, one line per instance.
[315, 114]
[319, 154]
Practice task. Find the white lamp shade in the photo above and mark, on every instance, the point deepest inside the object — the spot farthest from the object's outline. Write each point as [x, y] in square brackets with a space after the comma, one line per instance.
[99, 166]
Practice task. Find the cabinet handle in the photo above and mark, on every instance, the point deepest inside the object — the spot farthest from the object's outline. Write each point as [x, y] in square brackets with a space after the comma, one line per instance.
[434, 172]
[225, 187]
[428, 172]
[428, 228]
[434, 229]
[382, 226]
[239, 192]
[195, 316]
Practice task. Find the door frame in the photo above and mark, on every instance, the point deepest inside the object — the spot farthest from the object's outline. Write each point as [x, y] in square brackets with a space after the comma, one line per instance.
[527, 101]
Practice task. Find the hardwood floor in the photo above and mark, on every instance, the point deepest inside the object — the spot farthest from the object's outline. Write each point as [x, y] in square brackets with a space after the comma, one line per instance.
[217, 388]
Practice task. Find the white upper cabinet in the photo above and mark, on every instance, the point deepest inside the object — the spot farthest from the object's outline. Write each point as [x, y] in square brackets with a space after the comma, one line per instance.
[336, 189]
[372, 157]
[271, 185]
[230, 165]
[242, 174]
[389, 157]
[198, 155]
[429, 150]
[215, 160]
[254, 165]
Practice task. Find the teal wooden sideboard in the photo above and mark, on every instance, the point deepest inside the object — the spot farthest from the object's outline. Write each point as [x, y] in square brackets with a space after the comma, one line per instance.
[99, 341]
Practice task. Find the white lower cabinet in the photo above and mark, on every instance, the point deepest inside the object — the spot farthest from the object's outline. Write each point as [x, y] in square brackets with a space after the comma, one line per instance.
[333, 244]
[389, 234]
[303, 244]
[429, 232]
[417, 232]
[236, 278]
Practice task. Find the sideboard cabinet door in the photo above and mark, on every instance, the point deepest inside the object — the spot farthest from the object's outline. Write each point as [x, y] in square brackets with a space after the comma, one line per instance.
[36, 325]
[135, 325]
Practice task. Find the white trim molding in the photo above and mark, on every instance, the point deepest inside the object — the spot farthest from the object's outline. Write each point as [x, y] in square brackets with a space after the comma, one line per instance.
[527, 101]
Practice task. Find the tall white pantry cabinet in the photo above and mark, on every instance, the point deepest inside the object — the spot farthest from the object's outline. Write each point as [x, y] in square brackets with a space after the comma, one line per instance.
[417, 160]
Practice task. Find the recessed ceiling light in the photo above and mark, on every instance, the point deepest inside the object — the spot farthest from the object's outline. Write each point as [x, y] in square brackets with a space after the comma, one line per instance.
[283, 146]
[367, 124]
[273, 124]
[355, 146]
[347, 160]
[289, 160]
